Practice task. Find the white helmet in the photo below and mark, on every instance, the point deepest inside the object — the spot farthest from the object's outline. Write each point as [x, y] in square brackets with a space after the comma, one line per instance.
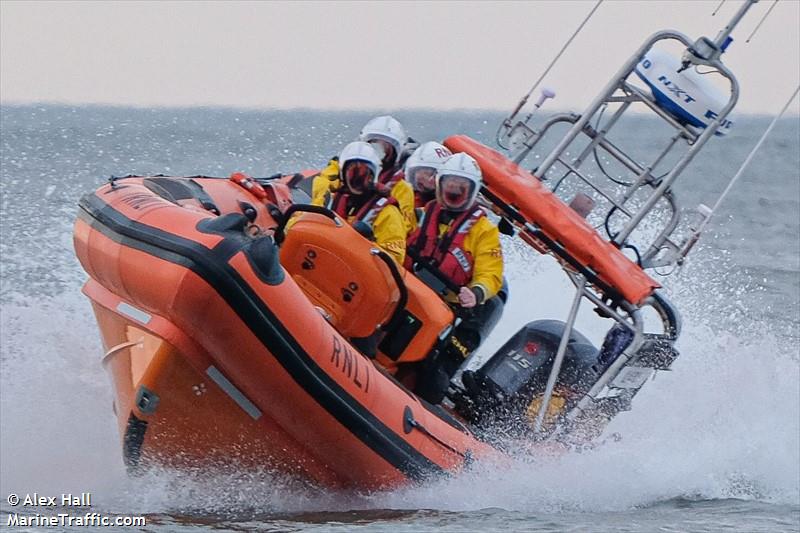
[425, 161]
[385, 128]
[359, 166]
[458, 182]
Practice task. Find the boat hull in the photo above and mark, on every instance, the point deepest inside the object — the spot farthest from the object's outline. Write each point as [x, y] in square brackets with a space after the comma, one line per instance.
[218, 357]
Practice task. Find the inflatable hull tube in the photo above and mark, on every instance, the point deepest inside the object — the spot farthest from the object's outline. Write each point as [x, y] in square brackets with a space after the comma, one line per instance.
[270, 348]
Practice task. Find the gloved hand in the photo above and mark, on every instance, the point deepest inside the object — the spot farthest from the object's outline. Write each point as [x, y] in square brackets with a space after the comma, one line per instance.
[467, 297]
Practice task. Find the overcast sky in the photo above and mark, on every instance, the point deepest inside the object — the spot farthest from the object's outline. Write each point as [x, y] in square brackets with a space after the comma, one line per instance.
[350, 55]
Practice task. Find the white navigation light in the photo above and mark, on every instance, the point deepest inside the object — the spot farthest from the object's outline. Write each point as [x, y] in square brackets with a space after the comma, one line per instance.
[688, 96]
[546, 93]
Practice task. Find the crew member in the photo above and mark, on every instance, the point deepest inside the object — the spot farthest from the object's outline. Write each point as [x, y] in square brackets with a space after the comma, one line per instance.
[459, 246]
[388, 137]
[363, 202]
[420, 172]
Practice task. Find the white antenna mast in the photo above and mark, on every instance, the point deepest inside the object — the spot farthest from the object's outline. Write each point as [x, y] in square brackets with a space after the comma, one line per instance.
[760, 22]
[506, 125]
[747, 161]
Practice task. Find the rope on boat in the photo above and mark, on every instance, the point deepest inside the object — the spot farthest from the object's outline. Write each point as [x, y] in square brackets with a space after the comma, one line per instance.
[409, 422]
[716, 10]
[747, 161]
[524, 100]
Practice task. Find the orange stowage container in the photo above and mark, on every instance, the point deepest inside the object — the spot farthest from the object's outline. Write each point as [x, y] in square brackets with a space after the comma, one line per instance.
[429, 318]
[340, 271]
[204, 317]
[538, 205]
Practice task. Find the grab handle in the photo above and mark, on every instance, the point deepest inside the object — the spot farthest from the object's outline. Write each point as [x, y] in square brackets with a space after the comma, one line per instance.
[280, 229]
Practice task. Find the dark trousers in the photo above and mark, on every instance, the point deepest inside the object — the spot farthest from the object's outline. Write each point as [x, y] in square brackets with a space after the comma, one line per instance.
[435, 372]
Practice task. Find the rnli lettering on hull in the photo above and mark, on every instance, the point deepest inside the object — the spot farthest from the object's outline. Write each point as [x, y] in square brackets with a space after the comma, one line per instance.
[346, 360]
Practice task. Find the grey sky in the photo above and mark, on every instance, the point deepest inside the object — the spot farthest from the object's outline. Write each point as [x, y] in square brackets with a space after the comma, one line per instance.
[363, 55]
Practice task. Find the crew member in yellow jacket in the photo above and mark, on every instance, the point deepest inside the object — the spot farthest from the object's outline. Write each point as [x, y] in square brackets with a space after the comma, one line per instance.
[456, 249]
[388, 137]
[359, 199]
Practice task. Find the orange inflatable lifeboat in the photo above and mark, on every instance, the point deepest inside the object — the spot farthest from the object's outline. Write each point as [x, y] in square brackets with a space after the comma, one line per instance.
[232, 340]
[218, 355]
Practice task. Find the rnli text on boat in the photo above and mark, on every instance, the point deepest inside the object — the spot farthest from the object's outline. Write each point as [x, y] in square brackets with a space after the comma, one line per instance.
[347, 361]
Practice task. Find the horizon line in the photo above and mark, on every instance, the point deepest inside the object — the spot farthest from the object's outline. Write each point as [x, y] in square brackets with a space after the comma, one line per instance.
[345, 109]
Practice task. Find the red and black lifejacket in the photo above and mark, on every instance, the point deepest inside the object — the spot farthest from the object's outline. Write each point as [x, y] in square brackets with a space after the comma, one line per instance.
[390, 176]
[447, 252]
[367, 212]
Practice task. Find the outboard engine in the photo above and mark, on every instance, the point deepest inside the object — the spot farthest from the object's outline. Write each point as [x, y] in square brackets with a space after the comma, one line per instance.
[507, 390]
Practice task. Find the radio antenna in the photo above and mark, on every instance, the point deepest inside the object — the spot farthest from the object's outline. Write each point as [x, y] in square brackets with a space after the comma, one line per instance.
[507, 122]
[760, 22]
[747, 160]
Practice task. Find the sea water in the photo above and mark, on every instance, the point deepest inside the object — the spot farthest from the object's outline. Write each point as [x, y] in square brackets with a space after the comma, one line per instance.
[713, 445]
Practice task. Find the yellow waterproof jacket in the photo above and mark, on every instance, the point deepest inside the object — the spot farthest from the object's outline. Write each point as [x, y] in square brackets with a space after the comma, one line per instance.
[327, 181]
[483, 242]
[389, 230]
[387, 227]
[404, 194]
[324, 183]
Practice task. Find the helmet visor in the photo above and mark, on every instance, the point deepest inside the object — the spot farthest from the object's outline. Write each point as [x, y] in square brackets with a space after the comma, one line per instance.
[456, 192]
[384, 148]
[422, 178]
[358, 175]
